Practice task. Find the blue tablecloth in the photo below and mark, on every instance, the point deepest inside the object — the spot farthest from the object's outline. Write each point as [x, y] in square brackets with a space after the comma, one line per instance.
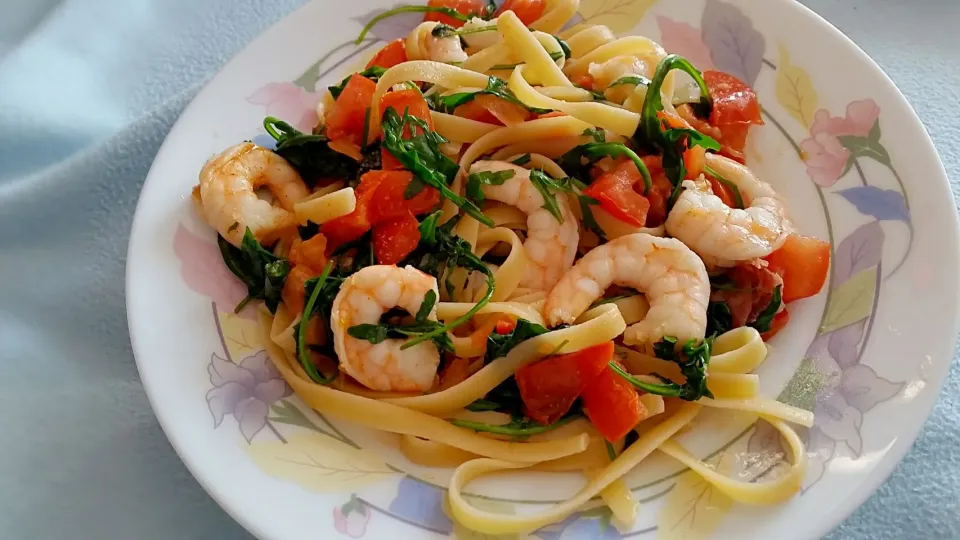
[88, 90]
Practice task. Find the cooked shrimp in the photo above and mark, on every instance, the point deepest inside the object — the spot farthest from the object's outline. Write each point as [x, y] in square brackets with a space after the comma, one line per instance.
[724, 235]
[673, 278]
[448, 50]
[363, 298]
[227, 197]
[550, 245]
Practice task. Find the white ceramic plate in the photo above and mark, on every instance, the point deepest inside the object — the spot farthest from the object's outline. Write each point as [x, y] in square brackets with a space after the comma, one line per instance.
[868, 355]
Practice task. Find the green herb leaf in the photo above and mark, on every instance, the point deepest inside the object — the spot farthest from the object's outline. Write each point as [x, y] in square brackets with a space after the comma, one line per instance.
[481, 405]
[634, 80]
[318, 288]
[449, 12]
[765, 318]
[693, 366]
[429, 300]
[260, 270]
[476, 181]
[544, 183]
[666, 348]
[611, 451]
[374, 333]
[311, 156]
[653, 103]
[495, 87]
[573, 161]
[500, 345]
[522, 160]
[598, 134]
[564, 46]
[421, 154]
[737, 197]
[719, 318]
[373, 73]
[516, 428]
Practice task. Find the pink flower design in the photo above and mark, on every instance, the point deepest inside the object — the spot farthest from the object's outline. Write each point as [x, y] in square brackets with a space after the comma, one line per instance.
[203, 271]
[289, 102]
[824, 154]
[245, 390]
[351, 519]
[681, 38]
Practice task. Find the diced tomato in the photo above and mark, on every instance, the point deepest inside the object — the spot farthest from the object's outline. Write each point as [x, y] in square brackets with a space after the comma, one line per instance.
[346, 118]
[693, 160]
[505, 326]
[733, 101]
[614, 189]
[355, 224]
[584, 81]
[551, 114]
[311, 252]
[612, 405]
[394, 53]
[389, 201]
[472, 110]
[780, 320]
[673, 121]
[395, 238]
[803, 263]
[659, 194]
[721, 190]
[409, 100]
[492, 110]
[464, 7]
[294, 290]
[527, 11]
[388, 162]
[752, 292]
[550, 386]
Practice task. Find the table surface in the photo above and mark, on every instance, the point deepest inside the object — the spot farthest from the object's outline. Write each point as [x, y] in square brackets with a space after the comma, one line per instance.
[88, 90]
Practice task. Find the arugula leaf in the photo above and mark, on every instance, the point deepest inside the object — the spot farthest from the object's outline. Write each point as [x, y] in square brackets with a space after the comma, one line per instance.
[666, 348]
[319, 288]
[501, 344]
[564, 46]
[611, 451]
[373, 73]
[676, 141]
[544, 183]
[737, 198]
[449, 12]
[475, 181]
[573, 163]
[517, 427]
[598, 134]
[260, 270]
[421, 154]
[693, 365]
[522, 160]
[481, 405]
[635, 80]
[765, 318]
[719, 318]
[653, 103]
[495, 87]
[429, 300]
[313, 158]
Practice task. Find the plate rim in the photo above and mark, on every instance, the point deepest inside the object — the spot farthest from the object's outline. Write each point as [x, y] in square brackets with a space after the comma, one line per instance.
[864, 490]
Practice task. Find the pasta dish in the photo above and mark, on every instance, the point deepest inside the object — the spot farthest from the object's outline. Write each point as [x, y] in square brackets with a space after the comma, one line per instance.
[517, 243]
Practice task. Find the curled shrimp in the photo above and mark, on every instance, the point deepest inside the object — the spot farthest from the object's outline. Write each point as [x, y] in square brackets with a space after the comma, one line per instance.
[551, 245]
[724, 235]
[423, 44]
[227, 200]
[671, 276]
[363, 298]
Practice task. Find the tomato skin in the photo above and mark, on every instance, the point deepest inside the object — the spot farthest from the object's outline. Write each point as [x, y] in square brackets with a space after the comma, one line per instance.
[455, 372]
[803, 262]
[694, 160]
[505, 326]
[311, 252]
[734, 102]
[294, 288]
[549, 387]
[410, 101]
[723, 192]
[389, 201]
[614, 189]
[527, 11]
[752, 292]
[472, 110]
[492, 110]
[612, 405]
[347, 228]
[780, 320]
[394, 239]
[394, 53]
[346, 118]
[464, 7]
